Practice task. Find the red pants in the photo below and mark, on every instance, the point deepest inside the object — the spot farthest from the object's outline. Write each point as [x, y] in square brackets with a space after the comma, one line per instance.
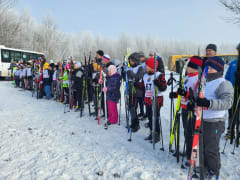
[112, 112]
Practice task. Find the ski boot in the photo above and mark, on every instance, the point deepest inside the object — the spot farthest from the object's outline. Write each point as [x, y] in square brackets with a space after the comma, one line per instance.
[148, 138]
[211, 176]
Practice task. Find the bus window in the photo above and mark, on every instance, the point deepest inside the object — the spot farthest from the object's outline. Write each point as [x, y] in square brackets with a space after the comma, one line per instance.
[12, 55]
[17, 56]
[25, 57]
[5, 56]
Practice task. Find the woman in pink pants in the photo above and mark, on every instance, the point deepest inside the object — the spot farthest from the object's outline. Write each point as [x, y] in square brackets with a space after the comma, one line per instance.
[113, 94]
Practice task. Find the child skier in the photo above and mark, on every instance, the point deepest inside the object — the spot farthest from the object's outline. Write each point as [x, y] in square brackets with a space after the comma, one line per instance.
[218, 98]
[65, 84]
[188, 92]
[113, 94]
[150, 83]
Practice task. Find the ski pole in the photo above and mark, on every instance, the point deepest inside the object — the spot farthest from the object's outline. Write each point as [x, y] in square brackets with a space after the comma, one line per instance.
[231, 123]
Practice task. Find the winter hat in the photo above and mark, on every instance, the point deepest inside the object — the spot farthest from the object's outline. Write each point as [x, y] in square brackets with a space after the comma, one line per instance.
[100, 52]
[212, 47]
[140, 54]
[78, 64]
[67, 66]
[134, 58]
[216, 63]
[46, 65]
[106, 58]
[112, 69]
[150, 63]
[195, 62]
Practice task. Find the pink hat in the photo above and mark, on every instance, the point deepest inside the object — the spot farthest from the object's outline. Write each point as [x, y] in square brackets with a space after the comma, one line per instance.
[112, 69]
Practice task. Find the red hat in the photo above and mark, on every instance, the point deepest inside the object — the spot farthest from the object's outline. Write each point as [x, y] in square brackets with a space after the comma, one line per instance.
[150, 63]
[195, 62]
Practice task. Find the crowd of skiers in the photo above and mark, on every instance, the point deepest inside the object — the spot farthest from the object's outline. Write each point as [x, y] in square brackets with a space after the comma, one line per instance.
[99, 81]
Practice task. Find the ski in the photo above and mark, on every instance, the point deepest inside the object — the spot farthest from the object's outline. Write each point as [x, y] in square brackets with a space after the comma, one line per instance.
[197, 130]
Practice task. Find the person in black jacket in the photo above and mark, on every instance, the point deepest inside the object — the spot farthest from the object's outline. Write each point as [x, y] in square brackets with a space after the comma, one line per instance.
[135, 84]
[77, 77]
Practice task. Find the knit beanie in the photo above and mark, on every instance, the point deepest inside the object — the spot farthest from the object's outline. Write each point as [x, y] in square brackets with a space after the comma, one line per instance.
[212, 47]
[195, 62]
[112, 69]
[216, 63]
[100, 52]
[150, 63]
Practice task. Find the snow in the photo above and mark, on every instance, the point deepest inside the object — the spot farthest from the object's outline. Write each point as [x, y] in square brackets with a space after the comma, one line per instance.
[38, 141]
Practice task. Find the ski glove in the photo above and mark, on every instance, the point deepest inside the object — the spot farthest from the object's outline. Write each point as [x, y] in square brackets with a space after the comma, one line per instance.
[190, 106]
[203, 102]
[182, 92]
[161, 83]
[172, 95]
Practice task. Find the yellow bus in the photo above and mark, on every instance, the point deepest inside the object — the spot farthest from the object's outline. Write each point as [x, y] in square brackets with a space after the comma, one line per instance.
[172, 59]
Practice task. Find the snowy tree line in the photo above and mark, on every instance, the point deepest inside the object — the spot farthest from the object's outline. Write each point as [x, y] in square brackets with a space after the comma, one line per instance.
[21, 31]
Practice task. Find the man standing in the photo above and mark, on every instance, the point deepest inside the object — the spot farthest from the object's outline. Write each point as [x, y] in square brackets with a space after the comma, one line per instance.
[230, 76]
[211, 50]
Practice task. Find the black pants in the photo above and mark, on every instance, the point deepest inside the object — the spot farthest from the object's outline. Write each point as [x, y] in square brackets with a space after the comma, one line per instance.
[133, 111]
[17, 81]
[77, 93]
[212, 132]
[66, 95]
[141, 104]
[150, 117]
[188, 119]
[30, 82]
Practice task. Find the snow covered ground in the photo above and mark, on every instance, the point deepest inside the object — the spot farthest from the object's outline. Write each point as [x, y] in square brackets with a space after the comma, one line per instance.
[38, 141]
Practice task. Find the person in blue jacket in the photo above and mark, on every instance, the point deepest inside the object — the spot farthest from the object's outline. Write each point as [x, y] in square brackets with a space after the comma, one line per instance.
[230, 76]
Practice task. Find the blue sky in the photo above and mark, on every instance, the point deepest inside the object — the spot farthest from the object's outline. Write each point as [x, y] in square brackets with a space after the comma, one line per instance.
[194, 20]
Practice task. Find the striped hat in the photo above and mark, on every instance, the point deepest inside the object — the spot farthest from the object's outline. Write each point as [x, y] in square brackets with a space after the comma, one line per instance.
[195, 62]
[106, 58]
[216, 63]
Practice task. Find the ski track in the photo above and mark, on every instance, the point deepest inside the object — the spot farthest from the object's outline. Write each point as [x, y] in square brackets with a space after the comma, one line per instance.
[39, 141]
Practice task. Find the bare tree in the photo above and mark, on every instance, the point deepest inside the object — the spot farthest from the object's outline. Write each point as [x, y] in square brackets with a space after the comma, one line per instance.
[232, 6]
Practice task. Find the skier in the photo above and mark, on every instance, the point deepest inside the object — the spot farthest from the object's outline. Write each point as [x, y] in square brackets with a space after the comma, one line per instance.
[190, 83]
[55, 77]
[218, 98]
[113, 94]
[105, 63]
[16, 76]
[65, 84]
[98, 57]
[211, 50]
[135, 75]
[47, 80]
[29, 76]
[140, 91]
[150, 83]
[77, 77]
[230, 76]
